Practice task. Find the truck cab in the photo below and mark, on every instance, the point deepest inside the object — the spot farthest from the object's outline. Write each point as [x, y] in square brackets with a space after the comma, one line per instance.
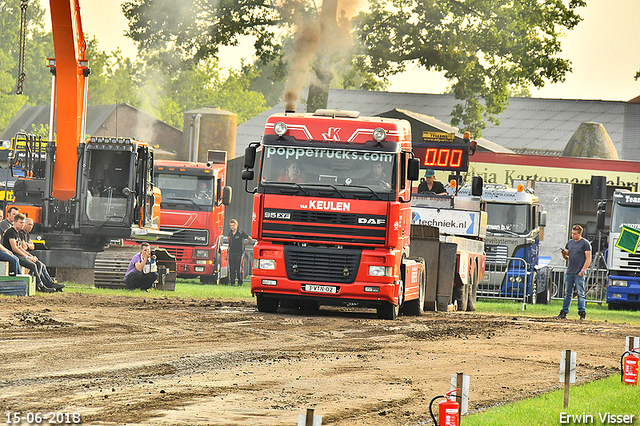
[194, 197]
[514, 226]
[623, 261]
[332, 213]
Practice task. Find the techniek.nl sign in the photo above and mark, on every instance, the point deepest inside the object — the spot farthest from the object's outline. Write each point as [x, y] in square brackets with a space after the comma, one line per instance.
[450, 222]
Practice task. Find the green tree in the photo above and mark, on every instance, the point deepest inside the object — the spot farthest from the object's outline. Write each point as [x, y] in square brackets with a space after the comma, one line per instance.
[485, 47]
[200, 85]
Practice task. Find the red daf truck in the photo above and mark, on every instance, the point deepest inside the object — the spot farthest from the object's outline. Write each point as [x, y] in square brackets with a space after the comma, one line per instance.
[192, 209]
[332, 217]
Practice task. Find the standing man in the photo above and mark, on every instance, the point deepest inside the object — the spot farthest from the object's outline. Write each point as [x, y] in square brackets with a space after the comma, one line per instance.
[578, 253]
[430, 185]
[141, 273]
[236, 251]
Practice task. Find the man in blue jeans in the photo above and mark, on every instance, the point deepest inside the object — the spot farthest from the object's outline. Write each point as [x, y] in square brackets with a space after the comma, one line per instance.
[578, 253]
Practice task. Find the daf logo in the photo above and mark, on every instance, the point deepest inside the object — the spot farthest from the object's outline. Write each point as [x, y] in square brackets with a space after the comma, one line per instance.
[370, 221]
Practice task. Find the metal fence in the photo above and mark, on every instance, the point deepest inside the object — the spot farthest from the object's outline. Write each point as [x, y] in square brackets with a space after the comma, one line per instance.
[505, 278]
[595, 283]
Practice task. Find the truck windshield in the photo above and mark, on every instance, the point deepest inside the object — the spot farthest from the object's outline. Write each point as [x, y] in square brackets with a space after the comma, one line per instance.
[186, 189]
[508, 218]
[337, 167]
[625, 215]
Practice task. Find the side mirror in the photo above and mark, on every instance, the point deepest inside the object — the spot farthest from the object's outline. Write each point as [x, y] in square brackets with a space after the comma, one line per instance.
[226, 195]
[250, 156]
[247, 174]
[542, 218]
[413, 169]
[476, 186]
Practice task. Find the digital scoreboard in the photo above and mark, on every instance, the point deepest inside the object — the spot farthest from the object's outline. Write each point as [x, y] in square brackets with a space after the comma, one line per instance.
[442, 156]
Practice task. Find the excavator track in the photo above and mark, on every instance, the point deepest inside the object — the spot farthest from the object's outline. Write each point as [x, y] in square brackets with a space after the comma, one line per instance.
[111, 266]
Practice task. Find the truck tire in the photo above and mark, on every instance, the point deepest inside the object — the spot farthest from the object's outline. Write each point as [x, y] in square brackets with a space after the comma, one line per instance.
[388, 311]
[473, 291]
[533, 297]
[416, 307]
[460, 293]
[267, 304]
[209, 279]
[545, 295]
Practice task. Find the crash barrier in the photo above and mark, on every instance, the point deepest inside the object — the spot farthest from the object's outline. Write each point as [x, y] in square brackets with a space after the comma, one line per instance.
[595, 283]
[505, 278]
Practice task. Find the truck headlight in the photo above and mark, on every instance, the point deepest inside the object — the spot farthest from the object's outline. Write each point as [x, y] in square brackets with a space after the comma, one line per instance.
[264, 263]
[619, 283]
[202, 253]
[379, 271]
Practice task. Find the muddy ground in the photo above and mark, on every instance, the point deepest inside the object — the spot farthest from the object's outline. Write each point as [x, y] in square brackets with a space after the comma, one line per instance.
[161, 361]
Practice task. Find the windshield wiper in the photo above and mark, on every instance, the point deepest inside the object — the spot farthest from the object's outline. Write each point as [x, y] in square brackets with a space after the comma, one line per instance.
[297, 185]
[330, 186]
[366, 187]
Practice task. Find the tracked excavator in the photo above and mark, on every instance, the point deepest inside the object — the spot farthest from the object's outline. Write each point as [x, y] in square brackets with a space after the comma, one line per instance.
[83, 193]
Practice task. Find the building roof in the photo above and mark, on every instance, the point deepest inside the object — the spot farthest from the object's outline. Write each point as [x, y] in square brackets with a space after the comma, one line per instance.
[528, 124]
[33, 116]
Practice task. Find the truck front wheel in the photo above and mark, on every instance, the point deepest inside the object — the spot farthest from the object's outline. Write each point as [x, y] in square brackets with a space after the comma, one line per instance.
[267, 304]
[460, 294]
[416, 306]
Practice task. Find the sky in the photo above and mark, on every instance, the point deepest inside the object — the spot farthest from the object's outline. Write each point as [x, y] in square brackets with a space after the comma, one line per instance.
[604, 50]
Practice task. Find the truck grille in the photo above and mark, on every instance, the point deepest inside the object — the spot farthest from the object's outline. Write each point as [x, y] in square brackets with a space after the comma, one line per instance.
[192, 237]
[630, 263]
[496, 257]
[179, 253]
[320, 264]
[338, 228]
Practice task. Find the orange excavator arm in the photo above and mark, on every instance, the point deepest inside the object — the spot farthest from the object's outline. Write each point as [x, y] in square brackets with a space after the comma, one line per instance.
[69, 94]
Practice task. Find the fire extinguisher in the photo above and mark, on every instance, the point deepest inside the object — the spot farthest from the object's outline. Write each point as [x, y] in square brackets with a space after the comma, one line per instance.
[629, 363]
[447, 409]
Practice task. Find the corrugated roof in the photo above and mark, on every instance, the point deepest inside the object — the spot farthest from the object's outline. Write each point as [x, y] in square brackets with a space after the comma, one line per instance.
[528, 123]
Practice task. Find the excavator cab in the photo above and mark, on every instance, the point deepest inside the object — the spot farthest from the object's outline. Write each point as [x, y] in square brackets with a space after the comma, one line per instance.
[116, 191]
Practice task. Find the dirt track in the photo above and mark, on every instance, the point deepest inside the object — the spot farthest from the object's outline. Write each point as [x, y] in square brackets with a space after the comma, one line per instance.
[157, 361]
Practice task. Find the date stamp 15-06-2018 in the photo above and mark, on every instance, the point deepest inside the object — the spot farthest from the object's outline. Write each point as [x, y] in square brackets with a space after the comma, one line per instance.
[52, 418]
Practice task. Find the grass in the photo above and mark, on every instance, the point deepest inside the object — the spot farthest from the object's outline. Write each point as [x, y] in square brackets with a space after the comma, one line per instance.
[191, 289]
[607, 395]
[595, 311]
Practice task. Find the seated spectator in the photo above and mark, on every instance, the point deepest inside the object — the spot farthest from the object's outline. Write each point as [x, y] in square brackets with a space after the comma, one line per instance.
[7, 222]
[8, 256]
[28, 245]
[142, 272]
[11, 241]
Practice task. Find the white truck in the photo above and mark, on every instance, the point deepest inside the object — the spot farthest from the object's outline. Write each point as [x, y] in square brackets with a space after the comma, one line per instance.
[623, 287]
[515, 269]
[459, 225]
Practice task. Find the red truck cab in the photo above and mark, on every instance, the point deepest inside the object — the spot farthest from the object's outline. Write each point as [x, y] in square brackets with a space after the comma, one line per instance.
[332, 213]
[194, 197]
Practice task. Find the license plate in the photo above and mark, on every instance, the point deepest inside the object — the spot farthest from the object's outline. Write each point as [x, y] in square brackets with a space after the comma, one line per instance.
[321, 288]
